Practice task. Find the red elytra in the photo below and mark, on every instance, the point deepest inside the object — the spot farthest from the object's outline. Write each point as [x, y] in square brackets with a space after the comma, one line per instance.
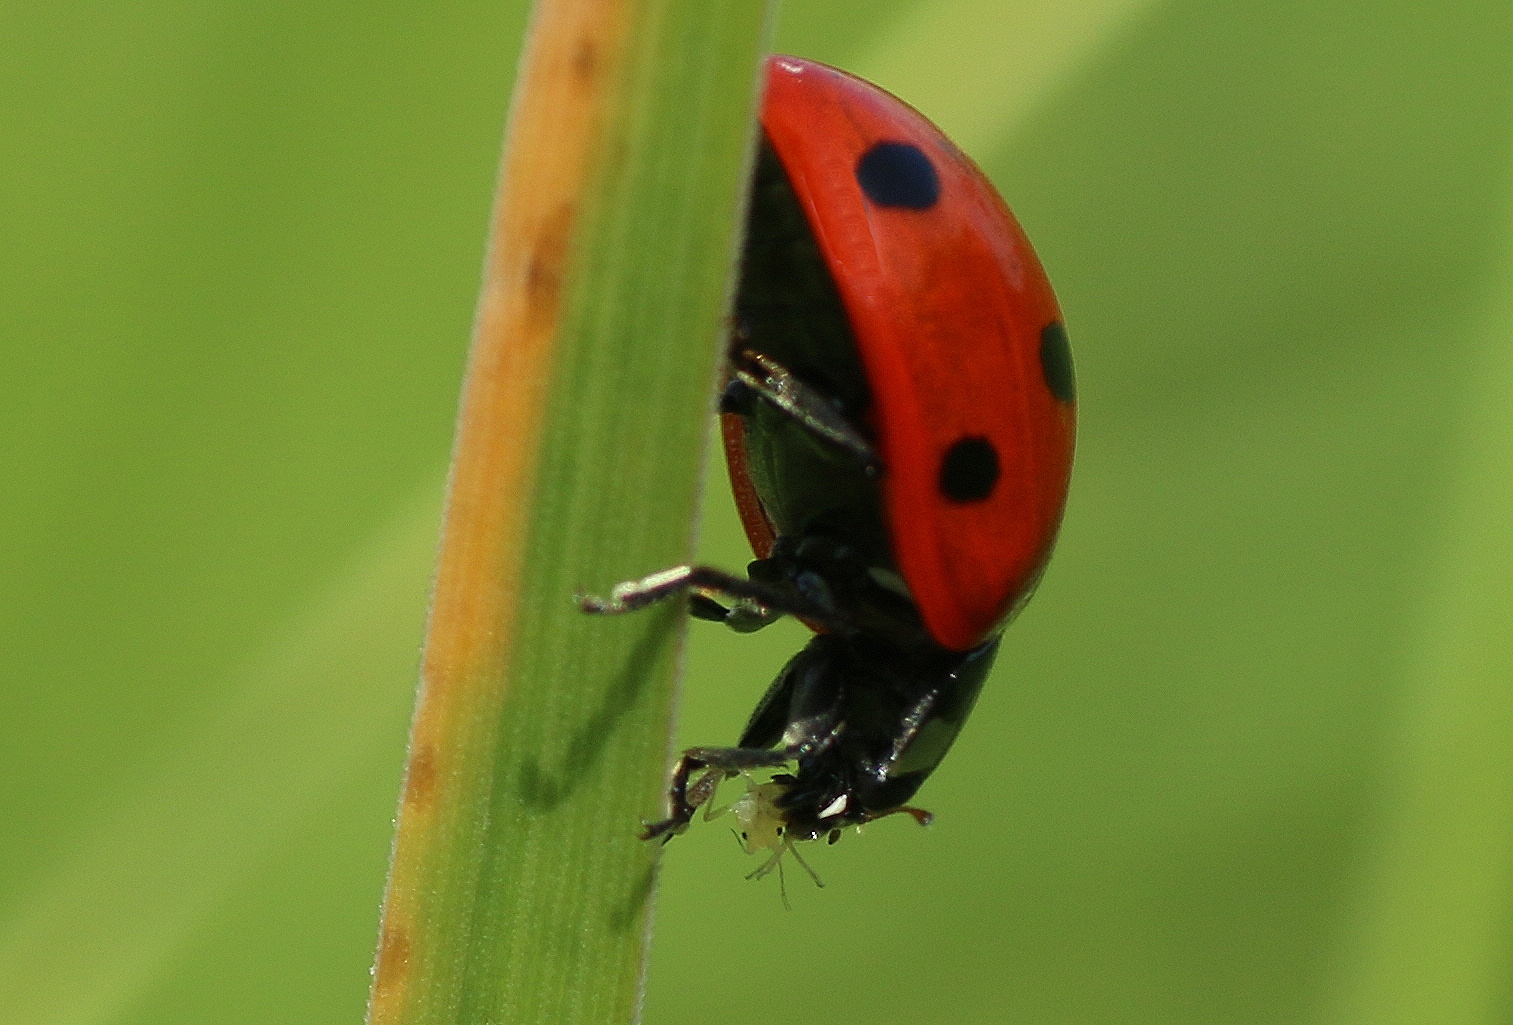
[947, 306]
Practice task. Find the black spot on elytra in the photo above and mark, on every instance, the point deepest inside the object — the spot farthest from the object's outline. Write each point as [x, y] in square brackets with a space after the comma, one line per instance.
[898, 174]
[969, 471]
[1056, 362]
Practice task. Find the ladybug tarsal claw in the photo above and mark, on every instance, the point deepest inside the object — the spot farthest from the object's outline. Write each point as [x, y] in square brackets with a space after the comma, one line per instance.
[630, 595]
[664, 830]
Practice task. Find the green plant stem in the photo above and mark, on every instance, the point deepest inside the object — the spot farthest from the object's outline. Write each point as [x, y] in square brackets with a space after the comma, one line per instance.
[518, 889]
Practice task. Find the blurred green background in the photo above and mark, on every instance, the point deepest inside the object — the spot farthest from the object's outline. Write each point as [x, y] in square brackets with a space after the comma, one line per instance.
[1247, 757]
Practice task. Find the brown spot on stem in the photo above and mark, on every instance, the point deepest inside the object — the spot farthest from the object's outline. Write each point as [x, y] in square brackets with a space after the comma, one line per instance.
[420, 779]
[586, 61]
[393, 959]
[544, 271]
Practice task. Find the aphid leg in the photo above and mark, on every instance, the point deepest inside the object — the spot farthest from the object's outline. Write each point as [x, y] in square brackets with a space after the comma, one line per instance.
[776, 861]
[766, 867]
[800, 859]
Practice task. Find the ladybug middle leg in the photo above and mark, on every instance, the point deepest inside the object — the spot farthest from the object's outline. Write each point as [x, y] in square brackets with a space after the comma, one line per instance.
[748, 605]
[776, 586]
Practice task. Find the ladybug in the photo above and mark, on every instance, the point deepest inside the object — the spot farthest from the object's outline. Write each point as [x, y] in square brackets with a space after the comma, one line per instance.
[898, 421]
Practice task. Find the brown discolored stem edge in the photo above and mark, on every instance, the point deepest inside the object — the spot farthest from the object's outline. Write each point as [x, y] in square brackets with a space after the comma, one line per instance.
[564, 87]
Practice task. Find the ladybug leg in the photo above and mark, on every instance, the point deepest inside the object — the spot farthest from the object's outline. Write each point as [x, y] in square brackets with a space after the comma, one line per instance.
[817, 730]
[753, 373]
[722, 763]
[751, 605]
[743, 615]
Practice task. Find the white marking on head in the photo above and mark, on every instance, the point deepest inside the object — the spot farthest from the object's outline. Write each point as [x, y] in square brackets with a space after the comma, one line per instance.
[835, 807]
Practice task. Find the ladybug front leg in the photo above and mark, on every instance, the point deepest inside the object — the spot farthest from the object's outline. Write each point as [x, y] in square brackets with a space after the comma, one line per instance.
[798, 718]
[748, 605]
[723, 763]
